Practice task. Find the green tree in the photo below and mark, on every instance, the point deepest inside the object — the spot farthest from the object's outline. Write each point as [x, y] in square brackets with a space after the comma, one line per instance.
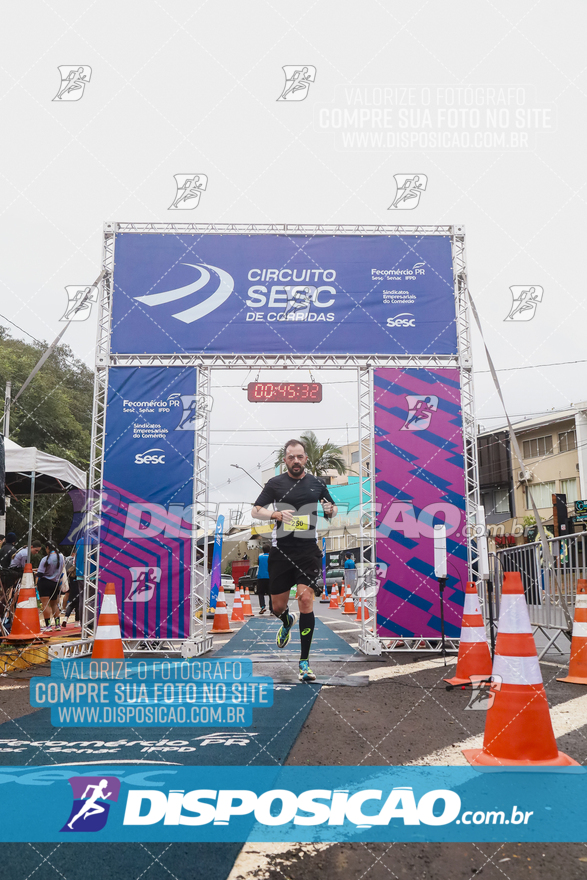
[55, 415]
[322, 457]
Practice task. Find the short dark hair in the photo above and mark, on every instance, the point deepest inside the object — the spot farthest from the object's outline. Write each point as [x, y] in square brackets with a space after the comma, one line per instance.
[349, 554]
[293, 443]
[36, 543]
[266, 548]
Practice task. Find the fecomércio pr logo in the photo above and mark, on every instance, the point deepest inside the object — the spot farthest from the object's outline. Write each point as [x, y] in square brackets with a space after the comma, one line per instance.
[92, 797]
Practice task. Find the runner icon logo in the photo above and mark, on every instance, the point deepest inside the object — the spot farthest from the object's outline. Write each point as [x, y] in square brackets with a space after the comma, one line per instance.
[74, 79]
[421, 407]
[144, 581]
[90, 802]
[188, 191]
[297, 82]
[409, 191]
[525, 301]
[79, 302]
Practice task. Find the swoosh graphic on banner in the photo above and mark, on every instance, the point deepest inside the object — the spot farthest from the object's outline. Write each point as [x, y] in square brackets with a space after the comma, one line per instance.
[216, 299]
[156, 299]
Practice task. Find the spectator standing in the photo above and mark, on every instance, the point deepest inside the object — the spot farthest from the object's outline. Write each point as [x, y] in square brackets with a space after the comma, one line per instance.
[8, 550]
[49, 585]
[263, 579]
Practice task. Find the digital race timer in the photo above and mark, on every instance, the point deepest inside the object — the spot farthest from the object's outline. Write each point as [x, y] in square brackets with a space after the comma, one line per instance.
[285, 392]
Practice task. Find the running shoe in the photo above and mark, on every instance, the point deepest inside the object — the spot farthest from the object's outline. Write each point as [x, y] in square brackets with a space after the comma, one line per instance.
[306, 673]
[48, 629]
[285, 631]
[262, 610]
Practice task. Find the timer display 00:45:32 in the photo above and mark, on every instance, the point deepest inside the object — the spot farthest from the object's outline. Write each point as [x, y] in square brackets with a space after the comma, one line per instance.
[284, 392]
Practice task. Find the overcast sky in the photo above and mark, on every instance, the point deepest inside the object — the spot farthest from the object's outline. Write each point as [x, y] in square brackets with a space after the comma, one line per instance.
[193, 87]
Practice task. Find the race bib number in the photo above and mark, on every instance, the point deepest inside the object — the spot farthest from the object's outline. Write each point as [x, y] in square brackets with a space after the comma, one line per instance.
[297, 524]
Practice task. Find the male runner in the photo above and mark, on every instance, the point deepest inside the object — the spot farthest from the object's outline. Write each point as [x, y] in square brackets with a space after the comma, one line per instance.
[294, 557]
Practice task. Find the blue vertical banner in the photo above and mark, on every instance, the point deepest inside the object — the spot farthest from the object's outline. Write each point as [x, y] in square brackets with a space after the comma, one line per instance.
[216, 562]
[146, 527]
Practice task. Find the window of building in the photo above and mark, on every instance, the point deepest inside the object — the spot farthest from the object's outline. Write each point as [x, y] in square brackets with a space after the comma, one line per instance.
[569, 488]
[538, 447]
[567, 441]
[496, 501]
[354, 457]
[542, 493]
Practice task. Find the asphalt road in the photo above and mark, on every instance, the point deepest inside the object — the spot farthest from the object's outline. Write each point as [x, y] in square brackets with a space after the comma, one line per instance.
[403, 715]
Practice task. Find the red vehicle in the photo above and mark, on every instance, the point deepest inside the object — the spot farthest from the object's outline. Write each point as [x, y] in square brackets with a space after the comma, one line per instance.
[240, 567]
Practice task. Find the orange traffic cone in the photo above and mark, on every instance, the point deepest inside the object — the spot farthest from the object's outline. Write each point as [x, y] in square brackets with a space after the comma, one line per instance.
[221, 624]
[237, 608]
[474, 656]
[518, 729]
[359, 616]
[578, 664]
[349, 605]
[334, 596]
[26, 624]
[108, 641]
[247, 607]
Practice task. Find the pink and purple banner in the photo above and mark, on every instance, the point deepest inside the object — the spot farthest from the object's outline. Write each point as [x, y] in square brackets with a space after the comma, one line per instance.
[419, 481]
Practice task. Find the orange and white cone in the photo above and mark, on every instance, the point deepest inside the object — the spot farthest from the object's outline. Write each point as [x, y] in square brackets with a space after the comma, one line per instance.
[349, 605]
[237, 608]
[578, 663]
[221, 624]
[247, 607]
[474, 655]
[26, 624]
[334, 596]
[108, 640]
[360, 604]
[518, 729]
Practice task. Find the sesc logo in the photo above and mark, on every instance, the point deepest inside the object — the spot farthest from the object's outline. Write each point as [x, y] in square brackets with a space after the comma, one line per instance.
[149, 458]
[406, 319]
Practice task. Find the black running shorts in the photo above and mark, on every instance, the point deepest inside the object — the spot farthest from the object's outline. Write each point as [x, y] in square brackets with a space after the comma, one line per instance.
[294, 566]
[48, 588]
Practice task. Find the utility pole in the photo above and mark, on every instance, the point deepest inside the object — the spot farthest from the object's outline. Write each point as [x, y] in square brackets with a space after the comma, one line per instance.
[5, 430]
[7, 402]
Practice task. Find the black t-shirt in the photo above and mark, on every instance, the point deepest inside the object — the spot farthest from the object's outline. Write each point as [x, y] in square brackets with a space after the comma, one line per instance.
[6, 554]
[300, 495]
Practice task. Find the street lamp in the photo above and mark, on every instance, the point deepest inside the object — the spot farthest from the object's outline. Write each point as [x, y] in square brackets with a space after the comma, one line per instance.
[247, 473]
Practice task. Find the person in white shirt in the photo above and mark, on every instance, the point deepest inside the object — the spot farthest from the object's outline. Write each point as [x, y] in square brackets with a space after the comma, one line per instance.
[49, 584]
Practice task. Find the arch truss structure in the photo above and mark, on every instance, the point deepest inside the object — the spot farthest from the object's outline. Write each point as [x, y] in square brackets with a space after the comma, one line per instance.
[163, 586]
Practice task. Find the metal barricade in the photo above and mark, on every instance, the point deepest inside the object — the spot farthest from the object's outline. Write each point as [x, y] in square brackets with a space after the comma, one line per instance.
[550, 590]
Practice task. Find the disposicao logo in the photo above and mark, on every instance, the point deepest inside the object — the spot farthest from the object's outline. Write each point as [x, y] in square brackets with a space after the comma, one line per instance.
[280, 807]
[90, 802]
[194, 313]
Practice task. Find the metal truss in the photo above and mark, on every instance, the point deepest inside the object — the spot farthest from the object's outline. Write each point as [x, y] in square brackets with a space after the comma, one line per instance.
[278, 228]
[199, 640]
[418, 645]
[200, 580]
[285, 361]
[94, 498]
[70, 650]
[367, 517]
[472, 499]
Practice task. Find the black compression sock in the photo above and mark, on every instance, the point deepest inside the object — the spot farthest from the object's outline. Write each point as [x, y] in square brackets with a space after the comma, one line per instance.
[284, 617]
[307, 623]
